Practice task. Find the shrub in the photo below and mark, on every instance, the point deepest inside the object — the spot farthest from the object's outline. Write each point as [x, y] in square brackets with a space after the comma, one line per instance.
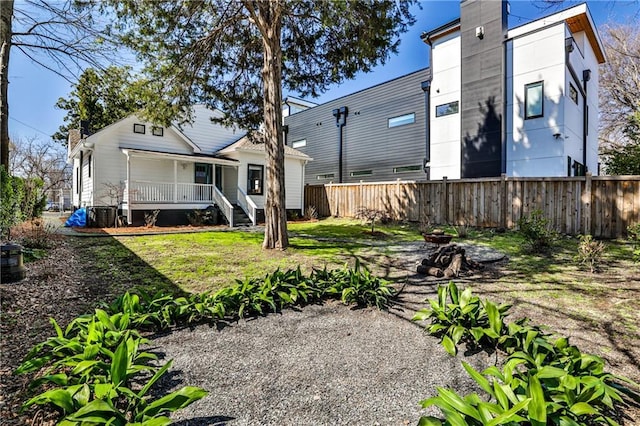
[311, 213]
[201, 217]
[11, 195]
[370, 216]
[150, 218]
[536, 231]
[590, 252]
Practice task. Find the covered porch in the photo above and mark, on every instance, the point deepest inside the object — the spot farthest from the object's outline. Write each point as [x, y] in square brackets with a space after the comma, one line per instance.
[164, 181]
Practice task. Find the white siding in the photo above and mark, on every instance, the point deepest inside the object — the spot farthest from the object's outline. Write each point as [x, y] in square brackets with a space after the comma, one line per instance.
[532, 148]
[445, 88]
[293, 171]
[126, 138]
[208, 136]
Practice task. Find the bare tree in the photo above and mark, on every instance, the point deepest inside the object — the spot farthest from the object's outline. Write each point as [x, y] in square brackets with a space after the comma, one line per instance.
[619, 84]
[46, 160]
[61, 36]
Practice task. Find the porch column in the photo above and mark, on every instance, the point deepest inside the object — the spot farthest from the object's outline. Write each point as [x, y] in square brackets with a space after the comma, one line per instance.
[128, 189]
[175, 181]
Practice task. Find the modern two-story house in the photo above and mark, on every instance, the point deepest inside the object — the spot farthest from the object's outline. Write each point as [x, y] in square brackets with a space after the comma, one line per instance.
[520, 101]
[142, 167]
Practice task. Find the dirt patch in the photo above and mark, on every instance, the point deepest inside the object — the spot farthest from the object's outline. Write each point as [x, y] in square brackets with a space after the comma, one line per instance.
[144, 230]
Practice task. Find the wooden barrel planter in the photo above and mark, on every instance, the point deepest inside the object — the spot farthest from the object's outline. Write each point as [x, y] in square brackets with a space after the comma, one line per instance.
[11, 263]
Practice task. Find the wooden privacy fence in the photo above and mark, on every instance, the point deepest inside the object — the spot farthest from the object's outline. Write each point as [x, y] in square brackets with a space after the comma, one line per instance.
[602, 206]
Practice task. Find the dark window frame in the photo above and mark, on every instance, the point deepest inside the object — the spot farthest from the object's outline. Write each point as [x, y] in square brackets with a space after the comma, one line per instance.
[407, 169]
[89, 164]
[530, 86]
[139, 128]
[358, 173]
[326, 176]
[449, 110]
[250, 187]
[573, 93]
[157, 131]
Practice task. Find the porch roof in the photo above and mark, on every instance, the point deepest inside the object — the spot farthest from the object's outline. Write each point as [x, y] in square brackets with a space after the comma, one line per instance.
[196, 158]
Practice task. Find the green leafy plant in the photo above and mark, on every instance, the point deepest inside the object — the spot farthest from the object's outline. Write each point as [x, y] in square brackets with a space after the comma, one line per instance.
[359, 286]
[536, 231]
[89, 368]
[590, 252]
[544, 380]
[457, 317]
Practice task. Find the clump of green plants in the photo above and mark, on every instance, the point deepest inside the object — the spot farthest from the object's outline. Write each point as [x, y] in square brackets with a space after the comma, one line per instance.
[94, 372]
[590, 252]
[536, 231]
[633, 234]
[201, 217]
[462, 317]
[543, 381]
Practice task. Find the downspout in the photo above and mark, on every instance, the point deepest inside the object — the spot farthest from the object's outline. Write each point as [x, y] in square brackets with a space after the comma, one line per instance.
[80, 187]
[586, 76]
[128, 186]
[341, 120]
[426, 165]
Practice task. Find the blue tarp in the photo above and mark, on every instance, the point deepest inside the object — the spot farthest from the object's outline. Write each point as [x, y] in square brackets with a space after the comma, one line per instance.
[78, 218]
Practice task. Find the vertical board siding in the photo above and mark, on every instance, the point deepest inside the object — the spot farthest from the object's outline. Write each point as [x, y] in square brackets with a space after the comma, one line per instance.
[602, 206]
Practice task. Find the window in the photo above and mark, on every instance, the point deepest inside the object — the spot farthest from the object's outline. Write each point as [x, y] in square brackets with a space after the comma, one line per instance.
[326, 176]
[139, 128]
[401, 120]
[447, 109]
[89, 164]
[533, 100]
[299, 144]
[573, 93]
[361, 173]
[157, 131]
[407, 169]
[578, 169]
[255, 179]
[77, 180]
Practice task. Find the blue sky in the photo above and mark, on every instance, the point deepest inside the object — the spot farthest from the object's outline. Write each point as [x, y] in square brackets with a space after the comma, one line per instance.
[34, 91]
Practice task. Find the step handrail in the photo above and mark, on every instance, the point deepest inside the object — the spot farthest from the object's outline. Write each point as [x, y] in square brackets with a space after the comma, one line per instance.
[248, 205]
[225, 205]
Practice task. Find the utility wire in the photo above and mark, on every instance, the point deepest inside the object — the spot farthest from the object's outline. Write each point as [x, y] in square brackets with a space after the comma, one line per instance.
[29, 126]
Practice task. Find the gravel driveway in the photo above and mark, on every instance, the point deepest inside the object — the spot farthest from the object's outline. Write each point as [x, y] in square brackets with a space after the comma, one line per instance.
[321, 365]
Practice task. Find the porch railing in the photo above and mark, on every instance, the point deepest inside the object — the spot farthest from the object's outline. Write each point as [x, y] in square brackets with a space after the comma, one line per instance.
[168, 192]
[224, 205]
[145, 192]
[247, 204]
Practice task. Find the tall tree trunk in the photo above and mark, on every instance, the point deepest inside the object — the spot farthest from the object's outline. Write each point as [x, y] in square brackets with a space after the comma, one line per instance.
[275, 233]
[6, 13]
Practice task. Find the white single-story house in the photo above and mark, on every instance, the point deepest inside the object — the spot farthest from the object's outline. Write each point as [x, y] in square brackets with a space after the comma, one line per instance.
[141, 167]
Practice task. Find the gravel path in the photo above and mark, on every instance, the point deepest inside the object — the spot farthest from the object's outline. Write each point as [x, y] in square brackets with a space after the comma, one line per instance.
[322, 365]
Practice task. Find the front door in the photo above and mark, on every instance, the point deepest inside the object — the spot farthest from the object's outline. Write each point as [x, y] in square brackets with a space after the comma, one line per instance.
[203, 175]
[218, 180]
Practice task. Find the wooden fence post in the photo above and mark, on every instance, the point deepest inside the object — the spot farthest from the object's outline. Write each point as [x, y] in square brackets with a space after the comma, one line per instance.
[503, 200]
[587, 204]
[445, 201]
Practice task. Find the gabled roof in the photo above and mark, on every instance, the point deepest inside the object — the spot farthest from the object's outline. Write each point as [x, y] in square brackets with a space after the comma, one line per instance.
[245, 144]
